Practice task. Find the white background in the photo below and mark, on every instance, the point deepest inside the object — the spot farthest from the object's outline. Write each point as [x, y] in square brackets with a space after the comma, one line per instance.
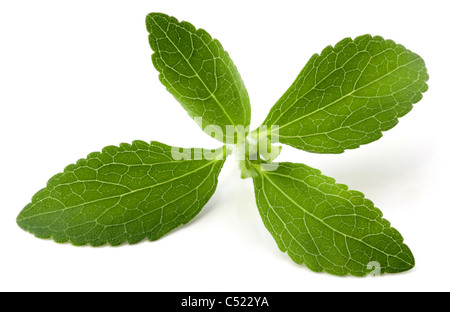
[76, 76]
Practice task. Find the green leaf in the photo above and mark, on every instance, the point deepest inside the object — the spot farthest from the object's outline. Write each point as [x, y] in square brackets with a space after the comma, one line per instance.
[123, 194]
[200, 74]
[348, 95]
[326, 226]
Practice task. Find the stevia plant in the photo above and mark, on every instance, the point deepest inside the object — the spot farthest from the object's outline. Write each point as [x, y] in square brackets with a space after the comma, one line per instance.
[343, 98]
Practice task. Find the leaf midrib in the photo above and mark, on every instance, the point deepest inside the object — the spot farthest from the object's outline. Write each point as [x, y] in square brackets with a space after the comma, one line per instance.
[196, 74]
[158, 208]
[116, 196]
[284, 223]
[329, 74]
[264, 174]
[345, 96]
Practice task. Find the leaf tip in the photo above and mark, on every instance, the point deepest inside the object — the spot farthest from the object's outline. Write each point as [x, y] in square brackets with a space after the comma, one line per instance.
[150, 19]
